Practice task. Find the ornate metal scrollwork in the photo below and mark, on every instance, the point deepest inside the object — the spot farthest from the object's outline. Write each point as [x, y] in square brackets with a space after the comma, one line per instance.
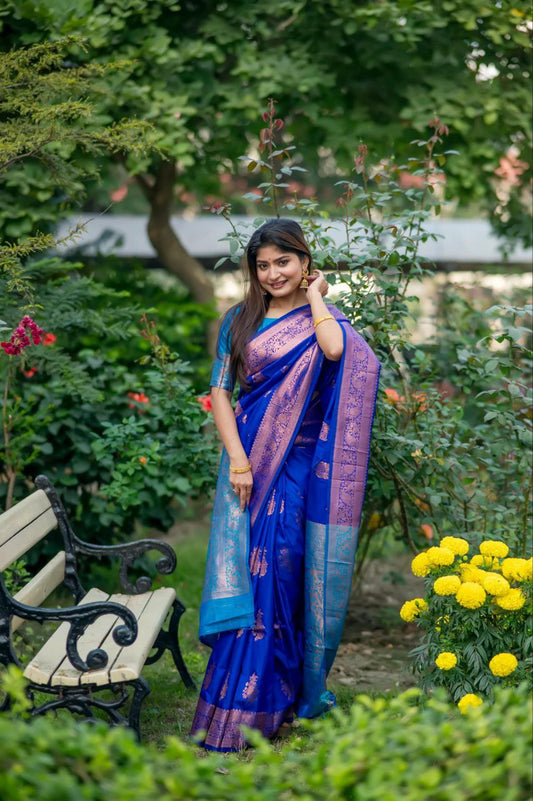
[126, 552]
[80, 617]
[85, 701]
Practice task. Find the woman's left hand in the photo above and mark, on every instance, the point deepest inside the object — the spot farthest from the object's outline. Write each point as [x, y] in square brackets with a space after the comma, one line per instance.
[317, 284]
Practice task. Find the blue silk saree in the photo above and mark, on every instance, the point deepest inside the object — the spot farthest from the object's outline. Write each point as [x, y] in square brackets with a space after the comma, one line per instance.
[279, 575]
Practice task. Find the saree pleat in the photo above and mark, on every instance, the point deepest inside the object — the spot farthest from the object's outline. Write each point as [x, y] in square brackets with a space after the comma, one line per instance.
[254, 674]
[279, 574]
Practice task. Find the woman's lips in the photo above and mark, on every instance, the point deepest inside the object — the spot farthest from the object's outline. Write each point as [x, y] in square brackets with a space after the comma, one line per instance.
[278, 285]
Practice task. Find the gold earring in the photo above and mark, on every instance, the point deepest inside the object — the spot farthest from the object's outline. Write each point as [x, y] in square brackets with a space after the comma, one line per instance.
[304, 283]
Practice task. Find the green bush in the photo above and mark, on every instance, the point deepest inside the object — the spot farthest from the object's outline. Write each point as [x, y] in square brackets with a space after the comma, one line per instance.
[451, 447]
[59, 401]
[381, 749]
[181, 322]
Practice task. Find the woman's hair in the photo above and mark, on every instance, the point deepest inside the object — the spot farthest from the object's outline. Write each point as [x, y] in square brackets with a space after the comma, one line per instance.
[288, 237]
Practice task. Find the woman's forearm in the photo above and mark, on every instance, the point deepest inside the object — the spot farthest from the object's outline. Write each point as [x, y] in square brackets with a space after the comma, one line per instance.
[224, 417]
[240, 473]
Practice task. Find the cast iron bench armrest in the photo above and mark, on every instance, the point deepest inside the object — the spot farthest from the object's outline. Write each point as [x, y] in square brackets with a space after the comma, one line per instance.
[126, 552]
[80, 617]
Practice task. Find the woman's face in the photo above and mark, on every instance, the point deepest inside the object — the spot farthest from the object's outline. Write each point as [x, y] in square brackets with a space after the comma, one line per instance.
[279, 272]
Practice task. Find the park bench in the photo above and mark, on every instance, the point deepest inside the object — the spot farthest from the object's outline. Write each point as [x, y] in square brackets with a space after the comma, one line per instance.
[103, 641]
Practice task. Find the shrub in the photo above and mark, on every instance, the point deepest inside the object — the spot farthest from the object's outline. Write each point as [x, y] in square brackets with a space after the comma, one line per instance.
[181, 322]
[382, 748]
[59, 401]
[476, 617]
[451, 448]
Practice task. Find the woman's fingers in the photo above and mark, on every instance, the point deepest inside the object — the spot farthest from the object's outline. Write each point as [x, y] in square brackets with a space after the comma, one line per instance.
[317, 280]
[242, 487]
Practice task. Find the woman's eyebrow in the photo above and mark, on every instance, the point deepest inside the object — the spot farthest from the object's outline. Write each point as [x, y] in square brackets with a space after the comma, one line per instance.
[283, 256]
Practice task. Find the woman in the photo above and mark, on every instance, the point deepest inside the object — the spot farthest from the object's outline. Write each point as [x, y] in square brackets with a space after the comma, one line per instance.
[289, 494]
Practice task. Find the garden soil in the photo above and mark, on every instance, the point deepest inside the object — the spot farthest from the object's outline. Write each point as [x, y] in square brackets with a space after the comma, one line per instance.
[374, 652]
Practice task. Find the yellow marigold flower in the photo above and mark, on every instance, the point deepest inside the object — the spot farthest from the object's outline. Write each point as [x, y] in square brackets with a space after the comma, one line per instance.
[411, 609]
[446, 660]
[503, 664]
[495, 584]
[468, 700]
[494, 548]
[514, 599]
[437, 556]
[458, 545]
[447, 585]
[420, 565]
[517, 569]
[485, 561]
[471, 573]
[470, 595]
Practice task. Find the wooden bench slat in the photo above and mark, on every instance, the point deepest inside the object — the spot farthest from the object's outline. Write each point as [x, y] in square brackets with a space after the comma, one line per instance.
[130, 660]
[53, 653]
[41, 585]
[136, 604]
[21, 539]
[22, 513]
[51, 666]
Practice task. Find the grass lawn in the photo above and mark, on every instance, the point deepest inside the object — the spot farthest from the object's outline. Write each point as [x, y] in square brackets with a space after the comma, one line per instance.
[169, 708]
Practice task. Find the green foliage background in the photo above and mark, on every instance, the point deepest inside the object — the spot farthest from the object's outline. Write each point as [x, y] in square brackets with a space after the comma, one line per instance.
[343, 72]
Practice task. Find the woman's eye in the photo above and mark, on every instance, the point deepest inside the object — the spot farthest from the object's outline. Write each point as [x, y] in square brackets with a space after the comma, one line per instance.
[282, 263]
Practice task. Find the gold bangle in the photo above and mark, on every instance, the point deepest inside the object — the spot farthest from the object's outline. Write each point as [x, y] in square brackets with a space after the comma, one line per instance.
[240, 469]
[322, 319]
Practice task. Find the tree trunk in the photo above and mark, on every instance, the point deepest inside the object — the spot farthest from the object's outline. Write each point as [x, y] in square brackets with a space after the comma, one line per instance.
[166, 244]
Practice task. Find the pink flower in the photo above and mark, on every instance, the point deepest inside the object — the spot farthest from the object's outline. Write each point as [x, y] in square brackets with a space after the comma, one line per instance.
[205, 402]
[119, 194]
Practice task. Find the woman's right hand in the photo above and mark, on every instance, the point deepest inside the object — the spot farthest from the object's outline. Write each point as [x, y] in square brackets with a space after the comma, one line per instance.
[242, 484]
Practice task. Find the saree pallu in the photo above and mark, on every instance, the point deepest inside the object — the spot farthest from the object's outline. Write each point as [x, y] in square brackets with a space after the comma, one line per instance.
[278, 575]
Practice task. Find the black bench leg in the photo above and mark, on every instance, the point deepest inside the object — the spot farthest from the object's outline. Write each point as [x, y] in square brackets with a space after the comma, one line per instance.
[141, 690]
[168, 640]
[174, 645]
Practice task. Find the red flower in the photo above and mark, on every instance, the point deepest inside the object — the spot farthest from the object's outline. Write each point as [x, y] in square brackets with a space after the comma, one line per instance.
[20, 339]
[218, 207]
[30, 373]
[49, 339]
[205, 402]
[138, 397]
[420, 399]
[427, 531]
[392, 395]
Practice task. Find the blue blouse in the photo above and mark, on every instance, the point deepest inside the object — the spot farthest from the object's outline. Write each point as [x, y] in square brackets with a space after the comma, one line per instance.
[221, 374]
